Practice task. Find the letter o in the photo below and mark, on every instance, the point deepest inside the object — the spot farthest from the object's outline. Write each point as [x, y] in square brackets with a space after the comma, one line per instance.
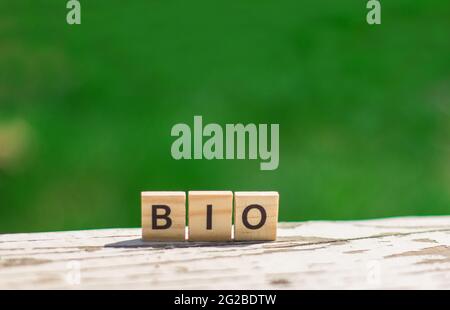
[245, 216]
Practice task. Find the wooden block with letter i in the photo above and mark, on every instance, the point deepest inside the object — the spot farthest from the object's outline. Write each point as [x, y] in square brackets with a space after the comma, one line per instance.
[255, 216]
[163, 216]
[210, 215]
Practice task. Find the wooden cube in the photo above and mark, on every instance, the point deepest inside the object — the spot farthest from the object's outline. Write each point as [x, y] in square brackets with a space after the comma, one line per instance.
[255, 215]
[163, 216]
[210, 215]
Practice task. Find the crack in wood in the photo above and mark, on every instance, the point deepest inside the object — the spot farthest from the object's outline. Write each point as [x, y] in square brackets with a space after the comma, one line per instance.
[304, 256]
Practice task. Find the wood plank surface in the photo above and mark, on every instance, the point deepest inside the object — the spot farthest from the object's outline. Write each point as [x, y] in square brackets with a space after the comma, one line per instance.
[395, 253]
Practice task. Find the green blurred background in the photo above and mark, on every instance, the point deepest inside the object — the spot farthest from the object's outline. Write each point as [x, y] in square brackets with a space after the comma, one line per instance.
[86, 111]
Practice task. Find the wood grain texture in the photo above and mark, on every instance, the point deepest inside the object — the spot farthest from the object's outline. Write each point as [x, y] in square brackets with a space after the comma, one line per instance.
[246, 208]
[221, 207]
[402, 253]
[175, 204]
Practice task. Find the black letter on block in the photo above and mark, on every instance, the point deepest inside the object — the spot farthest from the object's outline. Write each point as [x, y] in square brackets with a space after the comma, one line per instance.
[165, 216]
[245, 217]
[209, 217]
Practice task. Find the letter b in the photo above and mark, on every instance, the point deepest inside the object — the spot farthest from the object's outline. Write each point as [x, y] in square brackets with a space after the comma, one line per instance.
[164, 216]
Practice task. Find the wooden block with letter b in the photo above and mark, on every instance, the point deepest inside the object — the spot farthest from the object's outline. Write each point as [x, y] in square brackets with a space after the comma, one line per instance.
[163, 216]
[255, 215]
[210, 215]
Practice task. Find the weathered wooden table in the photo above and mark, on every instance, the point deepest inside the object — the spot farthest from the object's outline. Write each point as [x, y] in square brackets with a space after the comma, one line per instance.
[401, 253]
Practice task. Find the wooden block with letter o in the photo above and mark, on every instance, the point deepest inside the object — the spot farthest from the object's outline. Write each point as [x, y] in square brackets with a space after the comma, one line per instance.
[255, 215]
[210, 215]
[163, 216]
